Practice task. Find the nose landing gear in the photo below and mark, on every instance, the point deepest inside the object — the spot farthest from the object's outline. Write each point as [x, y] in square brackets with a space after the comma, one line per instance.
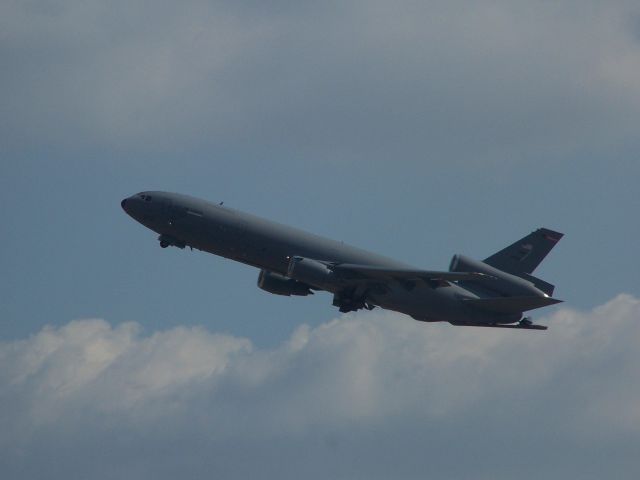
[167, 240]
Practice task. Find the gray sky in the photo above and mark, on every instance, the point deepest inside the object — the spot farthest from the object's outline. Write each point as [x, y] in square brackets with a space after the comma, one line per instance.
[414, 129]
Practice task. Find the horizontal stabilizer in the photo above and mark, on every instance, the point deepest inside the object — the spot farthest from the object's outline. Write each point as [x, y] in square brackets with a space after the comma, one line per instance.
[369, 271]
[510, 304]
[540, 284]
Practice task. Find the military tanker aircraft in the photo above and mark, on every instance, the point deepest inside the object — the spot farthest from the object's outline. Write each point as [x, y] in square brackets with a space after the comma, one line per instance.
[494, 292]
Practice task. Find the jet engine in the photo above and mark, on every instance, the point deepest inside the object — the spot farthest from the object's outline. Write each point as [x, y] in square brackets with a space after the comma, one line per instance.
[499, 281]
[311, 272]
[280, 285]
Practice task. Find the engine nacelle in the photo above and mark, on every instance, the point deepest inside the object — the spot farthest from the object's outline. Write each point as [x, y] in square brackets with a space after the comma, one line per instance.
[503, 282]
[311, 272]
[280, 285]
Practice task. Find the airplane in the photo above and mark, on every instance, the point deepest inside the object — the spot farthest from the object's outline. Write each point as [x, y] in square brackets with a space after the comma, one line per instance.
[494, 292]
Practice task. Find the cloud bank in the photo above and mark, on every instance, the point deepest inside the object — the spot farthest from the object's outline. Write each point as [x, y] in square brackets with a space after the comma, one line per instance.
[363, 396]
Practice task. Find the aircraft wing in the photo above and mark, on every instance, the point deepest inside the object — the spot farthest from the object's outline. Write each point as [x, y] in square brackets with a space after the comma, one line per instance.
[355, 271]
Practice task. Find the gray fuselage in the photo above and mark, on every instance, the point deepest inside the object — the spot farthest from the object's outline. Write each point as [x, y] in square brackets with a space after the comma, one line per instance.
[270, 246]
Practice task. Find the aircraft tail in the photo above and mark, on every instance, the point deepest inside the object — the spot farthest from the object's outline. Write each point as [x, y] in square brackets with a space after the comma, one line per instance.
[526, 254]
[522, 257]
[540, 284]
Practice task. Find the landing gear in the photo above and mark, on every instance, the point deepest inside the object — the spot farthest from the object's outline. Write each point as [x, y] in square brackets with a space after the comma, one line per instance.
[166, 241]
[351, 301]
[349, 305]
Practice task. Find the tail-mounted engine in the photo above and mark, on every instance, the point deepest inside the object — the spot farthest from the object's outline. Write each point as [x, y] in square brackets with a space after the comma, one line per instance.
[498, 281]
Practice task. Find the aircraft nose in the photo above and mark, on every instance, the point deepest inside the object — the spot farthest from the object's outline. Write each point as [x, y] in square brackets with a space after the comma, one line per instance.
[123, 204]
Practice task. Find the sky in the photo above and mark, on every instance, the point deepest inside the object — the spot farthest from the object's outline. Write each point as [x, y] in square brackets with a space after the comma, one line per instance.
[413, 129]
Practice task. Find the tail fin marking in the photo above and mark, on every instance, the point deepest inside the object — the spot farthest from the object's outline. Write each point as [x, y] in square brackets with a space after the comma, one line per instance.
[523, 256]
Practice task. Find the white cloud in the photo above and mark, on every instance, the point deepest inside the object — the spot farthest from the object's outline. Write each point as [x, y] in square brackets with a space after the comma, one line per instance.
[362, 395]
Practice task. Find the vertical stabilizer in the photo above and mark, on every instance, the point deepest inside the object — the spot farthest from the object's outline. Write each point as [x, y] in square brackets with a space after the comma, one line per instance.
[523, 256]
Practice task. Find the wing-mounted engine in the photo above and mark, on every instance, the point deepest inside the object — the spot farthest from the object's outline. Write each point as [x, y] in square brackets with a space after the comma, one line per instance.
[280, 285]
[312, 272]
[348, 297]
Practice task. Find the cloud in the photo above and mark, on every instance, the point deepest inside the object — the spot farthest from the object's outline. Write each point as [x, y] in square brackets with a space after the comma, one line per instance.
[352, 80]
[372, 395]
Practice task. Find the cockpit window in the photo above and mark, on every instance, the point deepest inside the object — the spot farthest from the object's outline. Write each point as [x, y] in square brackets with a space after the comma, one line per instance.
[146, 198]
